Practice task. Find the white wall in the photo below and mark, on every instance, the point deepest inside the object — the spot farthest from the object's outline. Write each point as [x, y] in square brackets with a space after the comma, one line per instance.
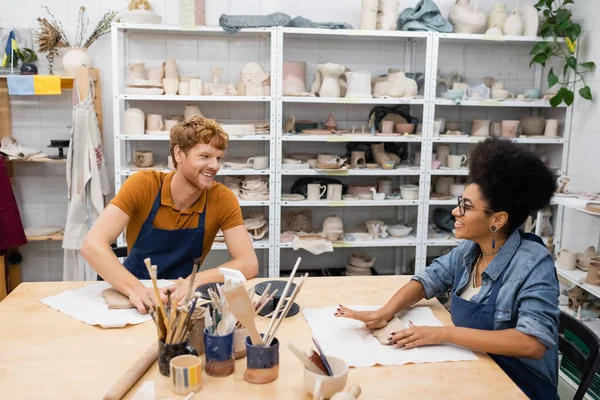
[35, 120]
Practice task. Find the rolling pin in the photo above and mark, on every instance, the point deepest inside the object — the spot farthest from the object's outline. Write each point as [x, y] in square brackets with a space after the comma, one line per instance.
[131, 376]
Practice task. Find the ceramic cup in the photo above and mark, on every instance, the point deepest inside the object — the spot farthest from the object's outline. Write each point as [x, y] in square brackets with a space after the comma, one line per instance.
[502, 94]
[144, 158]
[387, 126]
[195, 87]
[154, 122]
[239, 335]
[416, 158]
[498, 85]
[261, 162]
[435, 164]
[219, 354]
[409, 192]
[496, 130]
[567, 259]
[334, 192]
[262, 362]
[454, 94]
[533, 94]
[551, 129]
[170, 123]
[184, 88]
[186, 372]
[167, 352]
[323, 386]
[170, 85]
[455, 162]
[510, 128]
[314, 191]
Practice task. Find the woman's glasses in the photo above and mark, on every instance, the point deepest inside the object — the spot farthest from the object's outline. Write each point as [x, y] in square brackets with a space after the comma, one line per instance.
[463, 207]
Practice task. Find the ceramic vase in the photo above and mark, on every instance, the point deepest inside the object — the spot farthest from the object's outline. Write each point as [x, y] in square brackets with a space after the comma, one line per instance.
[171, 71]
[294, 74]
[136, 71]
[74, 58]
[531, 20]
[387, 15]
[368, 14]
[133, 122]
[533, 125]
[510, 128]
[359, 84]
[513, 26]
[496, 129]
[480, 127]
[330, 87]
[497, 15]
[467, 18]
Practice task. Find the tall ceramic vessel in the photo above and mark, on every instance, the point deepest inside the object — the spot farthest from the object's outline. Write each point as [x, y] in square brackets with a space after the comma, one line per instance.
[497, 15]
[368, 14]
[294, 74]
[531, 20]
[359, 84]
[330, 87]
[467, 18]
[387, 15]
[74, 58]
[513, 26]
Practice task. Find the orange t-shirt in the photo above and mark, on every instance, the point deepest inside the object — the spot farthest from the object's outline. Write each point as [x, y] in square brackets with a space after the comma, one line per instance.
[137, 195]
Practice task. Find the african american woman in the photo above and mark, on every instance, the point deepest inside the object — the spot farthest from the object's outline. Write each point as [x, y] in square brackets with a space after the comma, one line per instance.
[504, 286]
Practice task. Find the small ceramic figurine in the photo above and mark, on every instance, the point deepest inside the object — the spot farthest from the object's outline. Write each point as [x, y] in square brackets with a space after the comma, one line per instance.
[352, 394]
[327, 80]
[331, 123]
[253, 77]
[466, 18]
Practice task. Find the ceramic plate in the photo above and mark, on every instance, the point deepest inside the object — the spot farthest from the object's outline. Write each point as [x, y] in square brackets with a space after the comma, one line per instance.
[270, 307]
[388, 134]
[259, 289]
[292, 197]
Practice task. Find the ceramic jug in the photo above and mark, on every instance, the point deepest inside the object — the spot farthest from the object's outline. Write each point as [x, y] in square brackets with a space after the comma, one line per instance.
[466, 18]
[387, 15]
[497, 15]
[331, 79]
[481, 127]
[513, 26]
[359, 84]
[368, 14]
[133, 122]
[294, 75]
[191, 110]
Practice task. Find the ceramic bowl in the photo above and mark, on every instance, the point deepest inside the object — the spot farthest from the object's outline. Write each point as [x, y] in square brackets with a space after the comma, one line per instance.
[409, 192]
[388, 164]
[533, 125]
[301, 156]
[405, 128]
[453, 126]
[350, 197]
[399, 230]
[453, 94]
[371, 165]
[291, 161]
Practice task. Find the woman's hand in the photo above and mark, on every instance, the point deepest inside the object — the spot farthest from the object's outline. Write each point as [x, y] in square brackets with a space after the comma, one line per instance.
[417, 336]
[372, 319]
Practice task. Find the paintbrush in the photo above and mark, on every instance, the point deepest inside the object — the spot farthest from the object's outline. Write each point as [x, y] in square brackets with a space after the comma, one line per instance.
[286, 310]
[282, 298]
[152, 272]
[195, 269]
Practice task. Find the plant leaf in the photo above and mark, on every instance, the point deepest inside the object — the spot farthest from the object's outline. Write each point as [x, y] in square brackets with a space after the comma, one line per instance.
[590, 65]
[572, 62]
[539, 47]
[539, 59]
[552, 78]
[586, 93]
[567, 95]
[540, 4]
[556, 100]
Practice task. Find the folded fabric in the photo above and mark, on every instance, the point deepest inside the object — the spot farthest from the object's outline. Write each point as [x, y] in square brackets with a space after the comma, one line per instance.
[233, 23]
[33, 85]
[426, 16]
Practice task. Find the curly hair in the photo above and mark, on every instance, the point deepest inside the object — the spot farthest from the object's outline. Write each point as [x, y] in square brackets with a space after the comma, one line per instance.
[511, 178]
[196, 130]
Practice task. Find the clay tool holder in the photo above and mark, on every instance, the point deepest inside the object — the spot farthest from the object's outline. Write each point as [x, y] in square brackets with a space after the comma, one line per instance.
[60, 145]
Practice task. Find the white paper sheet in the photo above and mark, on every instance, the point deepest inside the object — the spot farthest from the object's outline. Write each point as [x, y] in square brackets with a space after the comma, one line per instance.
[351, 341]
[87, 305]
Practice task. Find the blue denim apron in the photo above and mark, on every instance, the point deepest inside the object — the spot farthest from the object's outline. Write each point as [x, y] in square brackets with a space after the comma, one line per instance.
[467, 314]
[172, 251]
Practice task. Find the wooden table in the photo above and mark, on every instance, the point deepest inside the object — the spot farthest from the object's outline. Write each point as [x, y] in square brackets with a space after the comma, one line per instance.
[46, 354]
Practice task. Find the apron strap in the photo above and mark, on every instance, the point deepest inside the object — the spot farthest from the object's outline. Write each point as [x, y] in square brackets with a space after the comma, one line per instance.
[496, 289]
[155, 206]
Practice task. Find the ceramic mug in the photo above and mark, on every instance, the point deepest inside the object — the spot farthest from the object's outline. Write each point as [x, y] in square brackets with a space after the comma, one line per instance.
[184, 88]
[170, 123]
[195, 87]
[154, 122]
[510, 128]
[167, 352]
[144, 158]
[261, 162]
[334, 192]
[171, 86]
[551, 129]
[567, 259]
[186, 373]
[501, 94]
[455, 162]
[314, 191]
[323, 386]
[262, 363]
[498, 85]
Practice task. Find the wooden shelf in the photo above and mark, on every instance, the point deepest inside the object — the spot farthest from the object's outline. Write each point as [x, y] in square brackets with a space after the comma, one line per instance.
[54, 236]
[42, 160]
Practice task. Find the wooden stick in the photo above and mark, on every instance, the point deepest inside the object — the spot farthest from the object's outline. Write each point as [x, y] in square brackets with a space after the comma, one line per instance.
[131, 376]
[171, 325]
[265, 294]
[161, 306]
[180, 326]
[286, 310]
[194, 272]
[263, 305]
[283, 296]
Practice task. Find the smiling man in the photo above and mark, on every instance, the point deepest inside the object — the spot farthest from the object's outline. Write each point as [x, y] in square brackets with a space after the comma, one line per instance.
[172, 218]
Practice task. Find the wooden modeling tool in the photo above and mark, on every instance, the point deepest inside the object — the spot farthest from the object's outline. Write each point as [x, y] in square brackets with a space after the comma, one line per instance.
[323, 357]
[243, 310]
[300, 355]
[283, 296]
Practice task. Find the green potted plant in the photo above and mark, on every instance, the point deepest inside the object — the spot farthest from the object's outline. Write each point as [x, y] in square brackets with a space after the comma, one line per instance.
[562, 34]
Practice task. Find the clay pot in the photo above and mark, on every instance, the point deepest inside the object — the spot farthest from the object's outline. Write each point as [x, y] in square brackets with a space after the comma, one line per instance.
[480, 127]
[513, 26]
[171, 70]
[191, 110]
[387, 15]
[136, 71]
[442, 185]
[442, 152]
[405, 128]
[593, 274]
[533, 125]
[384, 185]
[154, 122]
[294, 76]
[510, 128]
[171, 86]
[567, 259]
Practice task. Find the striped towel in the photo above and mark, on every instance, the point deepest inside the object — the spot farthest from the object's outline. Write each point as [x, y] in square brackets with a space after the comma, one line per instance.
[33, 85]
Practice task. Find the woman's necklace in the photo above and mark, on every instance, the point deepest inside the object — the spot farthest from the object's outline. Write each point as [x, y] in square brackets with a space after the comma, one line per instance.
[475, 270]
[490, 253]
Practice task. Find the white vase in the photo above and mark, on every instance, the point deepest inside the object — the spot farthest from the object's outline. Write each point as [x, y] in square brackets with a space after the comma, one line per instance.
[74, 58]
[466, 18]
[513, 26]
[531, 20]
[368, 14]
[387, 15]
[331, 79]
[497, 15]
[359, 84]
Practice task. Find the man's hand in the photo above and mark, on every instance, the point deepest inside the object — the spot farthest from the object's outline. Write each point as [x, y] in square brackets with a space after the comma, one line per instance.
[179, 290]
[143, 298]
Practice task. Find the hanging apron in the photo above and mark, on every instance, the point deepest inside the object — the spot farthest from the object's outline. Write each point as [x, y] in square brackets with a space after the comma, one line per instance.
[467, 314]
[172, 251]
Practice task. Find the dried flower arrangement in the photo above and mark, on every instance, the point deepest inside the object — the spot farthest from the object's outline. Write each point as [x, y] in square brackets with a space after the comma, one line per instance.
[139, 5]
[51, 34]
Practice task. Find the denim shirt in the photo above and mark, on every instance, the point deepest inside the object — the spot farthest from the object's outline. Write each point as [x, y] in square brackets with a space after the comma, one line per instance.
[528, 298]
